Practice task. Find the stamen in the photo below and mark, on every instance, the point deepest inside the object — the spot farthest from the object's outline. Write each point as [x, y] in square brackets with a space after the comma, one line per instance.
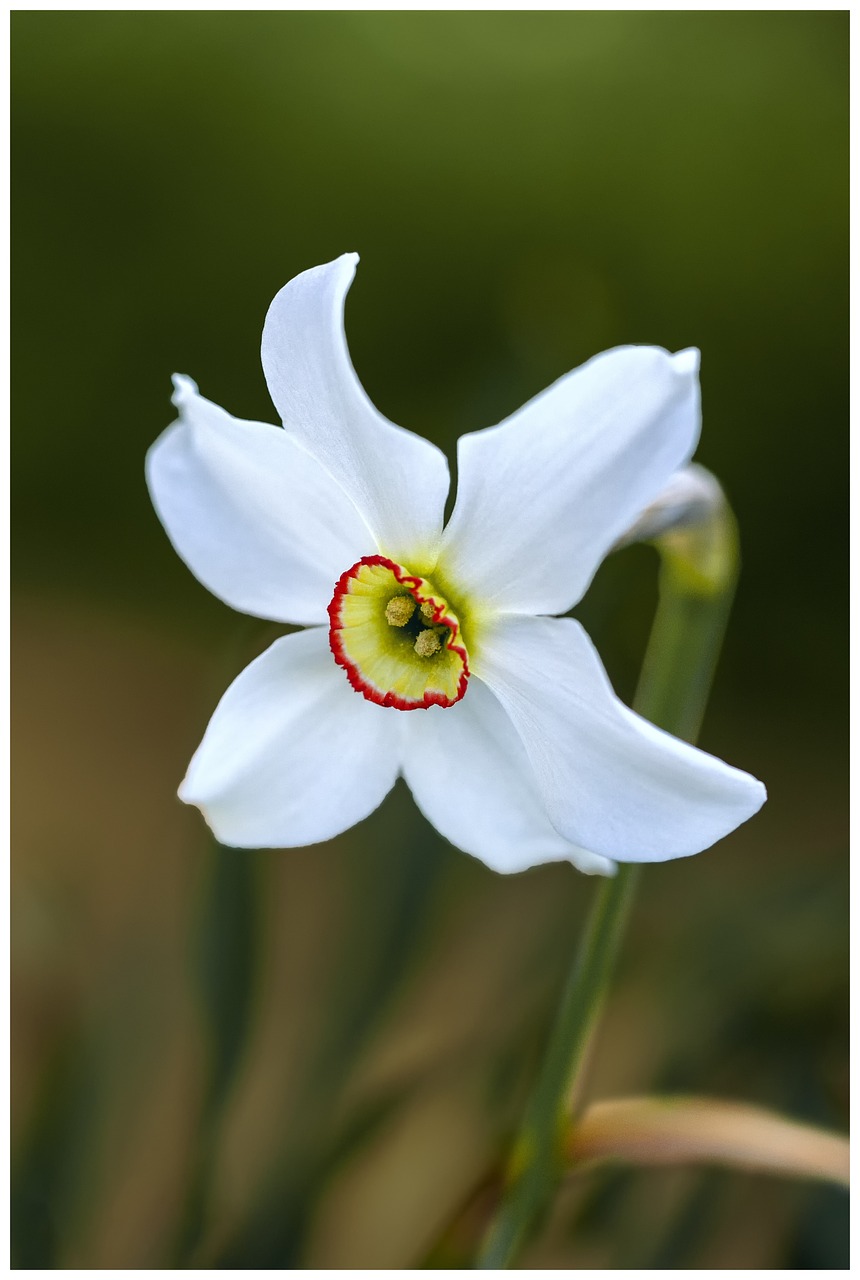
[428, 612]
[399, 610]
[427, 644]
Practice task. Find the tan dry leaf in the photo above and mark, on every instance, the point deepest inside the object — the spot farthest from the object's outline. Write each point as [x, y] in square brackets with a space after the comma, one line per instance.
[672, 1131]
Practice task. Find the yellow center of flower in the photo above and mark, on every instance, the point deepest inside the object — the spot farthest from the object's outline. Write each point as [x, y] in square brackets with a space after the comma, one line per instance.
[397, 637]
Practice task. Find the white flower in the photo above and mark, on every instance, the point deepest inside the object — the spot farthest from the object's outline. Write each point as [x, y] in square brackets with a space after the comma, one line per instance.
[514, 746]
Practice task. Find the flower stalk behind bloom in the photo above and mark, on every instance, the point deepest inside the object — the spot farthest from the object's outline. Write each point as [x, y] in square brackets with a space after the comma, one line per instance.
[699, 568]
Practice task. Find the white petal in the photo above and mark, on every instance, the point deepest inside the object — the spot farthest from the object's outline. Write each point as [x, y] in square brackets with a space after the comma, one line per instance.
[543, 496]
[252, 514]
[292, 754]
[470, 776]
[397, 480]
[611, 781]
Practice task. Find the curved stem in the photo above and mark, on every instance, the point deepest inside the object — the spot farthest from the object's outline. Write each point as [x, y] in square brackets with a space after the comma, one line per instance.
[699, 567]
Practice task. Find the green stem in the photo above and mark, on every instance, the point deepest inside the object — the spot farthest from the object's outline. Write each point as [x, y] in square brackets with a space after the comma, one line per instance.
[699, 566]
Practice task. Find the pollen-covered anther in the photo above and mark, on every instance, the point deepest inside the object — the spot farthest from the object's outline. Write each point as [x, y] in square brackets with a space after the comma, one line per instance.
[399, 610]
[427, 644]
[397, 637]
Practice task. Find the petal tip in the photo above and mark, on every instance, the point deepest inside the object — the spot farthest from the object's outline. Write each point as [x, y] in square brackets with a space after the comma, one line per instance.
[751, 796]
[759, 794]
[183, 792]
[344, 266]
[183, 388]
[688, 361]
[594, 864]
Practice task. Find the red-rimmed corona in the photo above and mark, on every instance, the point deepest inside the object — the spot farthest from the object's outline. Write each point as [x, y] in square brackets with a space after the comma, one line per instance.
[397, 637]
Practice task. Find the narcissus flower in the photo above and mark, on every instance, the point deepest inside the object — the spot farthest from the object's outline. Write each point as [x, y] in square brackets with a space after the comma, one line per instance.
[430, 651]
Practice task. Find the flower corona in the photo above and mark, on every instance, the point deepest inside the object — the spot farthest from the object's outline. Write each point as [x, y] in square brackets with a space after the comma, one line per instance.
[397, 638]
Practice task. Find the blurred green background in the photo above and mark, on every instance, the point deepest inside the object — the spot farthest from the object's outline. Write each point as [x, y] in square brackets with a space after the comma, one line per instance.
[307, 1058]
